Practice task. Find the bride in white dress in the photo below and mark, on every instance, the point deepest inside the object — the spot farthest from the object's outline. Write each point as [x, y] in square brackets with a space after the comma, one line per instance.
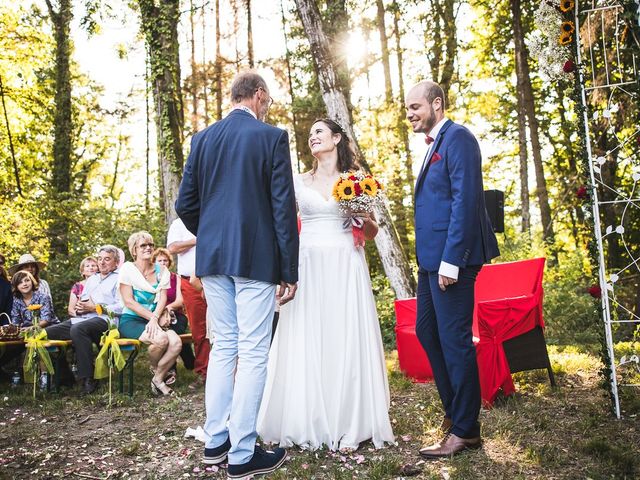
[327, 377]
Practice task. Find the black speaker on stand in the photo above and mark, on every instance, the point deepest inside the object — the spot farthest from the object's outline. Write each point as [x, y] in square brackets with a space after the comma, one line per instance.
[494, 200]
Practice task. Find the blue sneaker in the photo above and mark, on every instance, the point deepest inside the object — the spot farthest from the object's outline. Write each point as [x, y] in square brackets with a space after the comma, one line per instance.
[261, 463]
[214, 456]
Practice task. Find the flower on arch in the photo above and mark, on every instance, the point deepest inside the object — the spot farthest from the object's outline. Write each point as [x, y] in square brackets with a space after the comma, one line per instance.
[565, 39]
[567, 27]
[567, 5]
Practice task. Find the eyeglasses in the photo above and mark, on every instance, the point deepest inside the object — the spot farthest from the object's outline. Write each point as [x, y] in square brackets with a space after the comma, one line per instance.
[146, 245]
[270, 97]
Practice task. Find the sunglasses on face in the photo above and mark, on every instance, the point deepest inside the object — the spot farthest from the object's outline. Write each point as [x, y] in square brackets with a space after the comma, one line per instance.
[146, 245]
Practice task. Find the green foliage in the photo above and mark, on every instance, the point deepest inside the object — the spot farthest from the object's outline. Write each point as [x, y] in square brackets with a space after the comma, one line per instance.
[385, 305]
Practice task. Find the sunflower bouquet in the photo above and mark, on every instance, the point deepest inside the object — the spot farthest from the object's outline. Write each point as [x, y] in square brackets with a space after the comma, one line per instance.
[357, 192]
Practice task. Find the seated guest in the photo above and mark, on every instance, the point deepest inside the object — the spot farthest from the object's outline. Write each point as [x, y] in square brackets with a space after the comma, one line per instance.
[26, 292]
[6, 298]
[143, 289]
[162, 257]
[28, 262]
[86, 327]
[88, 266]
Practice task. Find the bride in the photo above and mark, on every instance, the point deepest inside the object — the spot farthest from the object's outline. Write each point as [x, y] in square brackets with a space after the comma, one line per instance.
[327, 379]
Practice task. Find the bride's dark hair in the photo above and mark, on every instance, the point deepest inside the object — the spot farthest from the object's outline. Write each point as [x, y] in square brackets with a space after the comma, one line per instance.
[346, 156]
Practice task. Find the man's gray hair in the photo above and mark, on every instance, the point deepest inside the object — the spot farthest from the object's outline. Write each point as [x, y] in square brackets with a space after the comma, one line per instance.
[245, 85]
[112, 250]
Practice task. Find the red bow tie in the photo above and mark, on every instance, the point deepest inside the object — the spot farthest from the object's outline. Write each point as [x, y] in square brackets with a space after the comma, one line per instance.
[428, 140]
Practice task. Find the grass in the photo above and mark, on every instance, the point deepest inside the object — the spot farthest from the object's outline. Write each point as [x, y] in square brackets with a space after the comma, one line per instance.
[538, 433]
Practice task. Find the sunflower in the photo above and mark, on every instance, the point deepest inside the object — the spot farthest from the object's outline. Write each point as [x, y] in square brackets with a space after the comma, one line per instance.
[566, 5]
[567, 27]
[99, 309]
[369, 186]
[33, 307]
[344, 190]
[565, 39]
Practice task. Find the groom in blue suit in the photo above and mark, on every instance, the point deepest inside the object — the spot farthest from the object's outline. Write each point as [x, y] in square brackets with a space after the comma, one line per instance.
[237, 197]
[454, 238]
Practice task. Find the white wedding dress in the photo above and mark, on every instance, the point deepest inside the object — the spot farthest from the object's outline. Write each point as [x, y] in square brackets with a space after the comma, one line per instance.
[327, 378]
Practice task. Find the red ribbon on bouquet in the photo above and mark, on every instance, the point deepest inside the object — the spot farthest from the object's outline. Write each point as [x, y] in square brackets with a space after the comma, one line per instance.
[357, 229]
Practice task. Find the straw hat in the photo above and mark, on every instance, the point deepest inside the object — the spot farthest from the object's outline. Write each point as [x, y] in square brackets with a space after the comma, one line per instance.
[25, 259]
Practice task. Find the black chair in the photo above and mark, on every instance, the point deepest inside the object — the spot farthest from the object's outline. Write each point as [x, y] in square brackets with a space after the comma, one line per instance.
[528, 352]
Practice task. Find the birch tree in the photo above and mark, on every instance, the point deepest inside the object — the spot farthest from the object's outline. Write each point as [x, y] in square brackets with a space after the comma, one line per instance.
[392, 255]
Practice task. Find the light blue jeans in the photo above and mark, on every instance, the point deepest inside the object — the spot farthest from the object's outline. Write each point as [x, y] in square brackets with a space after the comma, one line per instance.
[240, 312]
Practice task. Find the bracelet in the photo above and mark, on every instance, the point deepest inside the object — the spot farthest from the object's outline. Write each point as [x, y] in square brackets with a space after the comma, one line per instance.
[154, 317]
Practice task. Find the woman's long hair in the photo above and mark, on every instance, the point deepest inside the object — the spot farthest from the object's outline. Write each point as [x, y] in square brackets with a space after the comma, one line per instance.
[346, 156]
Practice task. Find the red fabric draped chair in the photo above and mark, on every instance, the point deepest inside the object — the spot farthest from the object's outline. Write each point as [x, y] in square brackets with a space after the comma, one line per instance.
[508, 303]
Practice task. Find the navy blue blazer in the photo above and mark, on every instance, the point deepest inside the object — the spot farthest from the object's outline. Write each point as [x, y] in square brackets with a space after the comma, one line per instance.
[452, 224]
[237, 197]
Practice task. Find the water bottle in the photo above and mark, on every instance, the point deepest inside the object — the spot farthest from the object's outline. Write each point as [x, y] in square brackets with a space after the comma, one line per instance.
[74, 370]
[44, 381]
[15, 380]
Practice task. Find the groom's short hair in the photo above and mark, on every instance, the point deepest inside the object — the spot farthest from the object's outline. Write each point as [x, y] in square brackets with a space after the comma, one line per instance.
[432, 91]
[245, 85]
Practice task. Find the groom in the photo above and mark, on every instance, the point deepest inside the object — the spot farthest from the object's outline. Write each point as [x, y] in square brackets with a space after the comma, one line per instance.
[453, 239]
[237, 197]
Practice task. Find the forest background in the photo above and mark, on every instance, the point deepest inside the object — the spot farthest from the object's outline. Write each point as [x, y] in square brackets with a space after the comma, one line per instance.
[100, 99]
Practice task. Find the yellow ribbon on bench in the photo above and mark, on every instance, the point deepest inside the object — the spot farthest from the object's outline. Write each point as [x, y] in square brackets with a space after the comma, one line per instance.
[110, 347]
[36, 350]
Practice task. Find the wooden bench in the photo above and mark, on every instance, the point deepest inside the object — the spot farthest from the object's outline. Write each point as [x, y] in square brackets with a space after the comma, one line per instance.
[132, 346]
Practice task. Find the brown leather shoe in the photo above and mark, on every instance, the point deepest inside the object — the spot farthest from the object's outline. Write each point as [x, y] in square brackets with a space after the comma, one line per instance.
[450, 445]
[446, 425]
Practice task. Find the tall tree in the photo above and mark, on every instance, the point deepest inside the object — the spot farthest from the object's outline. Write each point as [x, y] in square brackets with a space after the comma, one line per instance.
[63, 125]
[384, 46]
[218, 65]
[520, 62]
[525, 89]
[194, 70]
[160, 27]
[442, 35]
[392, 255]
[247, 5]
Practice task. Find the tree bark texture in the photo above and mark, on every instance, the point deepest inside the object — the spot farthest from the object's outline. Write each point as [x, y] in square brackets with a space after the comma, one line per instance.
[392, 255]
[63, 125]
[160, 27]
[194, 71]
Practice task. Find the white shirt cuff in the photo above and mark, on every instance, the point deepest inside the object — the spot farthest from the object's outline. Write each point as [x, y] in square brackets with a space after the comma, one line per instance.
[448, 270]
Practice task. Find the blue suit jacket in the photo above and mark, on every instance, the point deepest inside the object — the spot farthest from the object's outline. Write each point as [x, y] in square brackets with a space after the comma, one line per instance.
[237, 197]
[451, 219]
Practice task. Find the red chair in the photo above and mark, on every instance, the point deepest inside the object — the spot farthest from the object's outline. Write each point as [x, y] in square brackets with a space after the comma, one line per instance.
[508, 306]
[411, 356]
[507, 319]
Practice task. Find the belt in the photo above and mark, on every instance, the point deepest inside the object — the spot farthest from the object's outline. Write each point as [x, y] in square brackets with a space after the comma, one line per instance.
[186, 277]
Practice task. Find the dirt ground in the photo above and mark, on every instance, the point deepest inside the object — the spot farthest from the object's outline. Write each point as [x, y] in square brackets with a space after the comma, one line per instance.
[541, 433]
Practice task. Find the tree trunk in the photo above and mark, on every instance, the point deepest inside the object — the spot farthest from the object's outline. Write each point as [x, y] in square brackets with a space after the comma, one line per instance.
[402, 126]
[336, 28]
[204, 80]
[444, 34]
[384, 44]
[520, 60]
[194, 72]
[16, 171]
[160, 27]
[247, 4]
[218, 66]
[392, 255]
[529, 103]
[147, 87]
[63, 126]
[292, 96]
